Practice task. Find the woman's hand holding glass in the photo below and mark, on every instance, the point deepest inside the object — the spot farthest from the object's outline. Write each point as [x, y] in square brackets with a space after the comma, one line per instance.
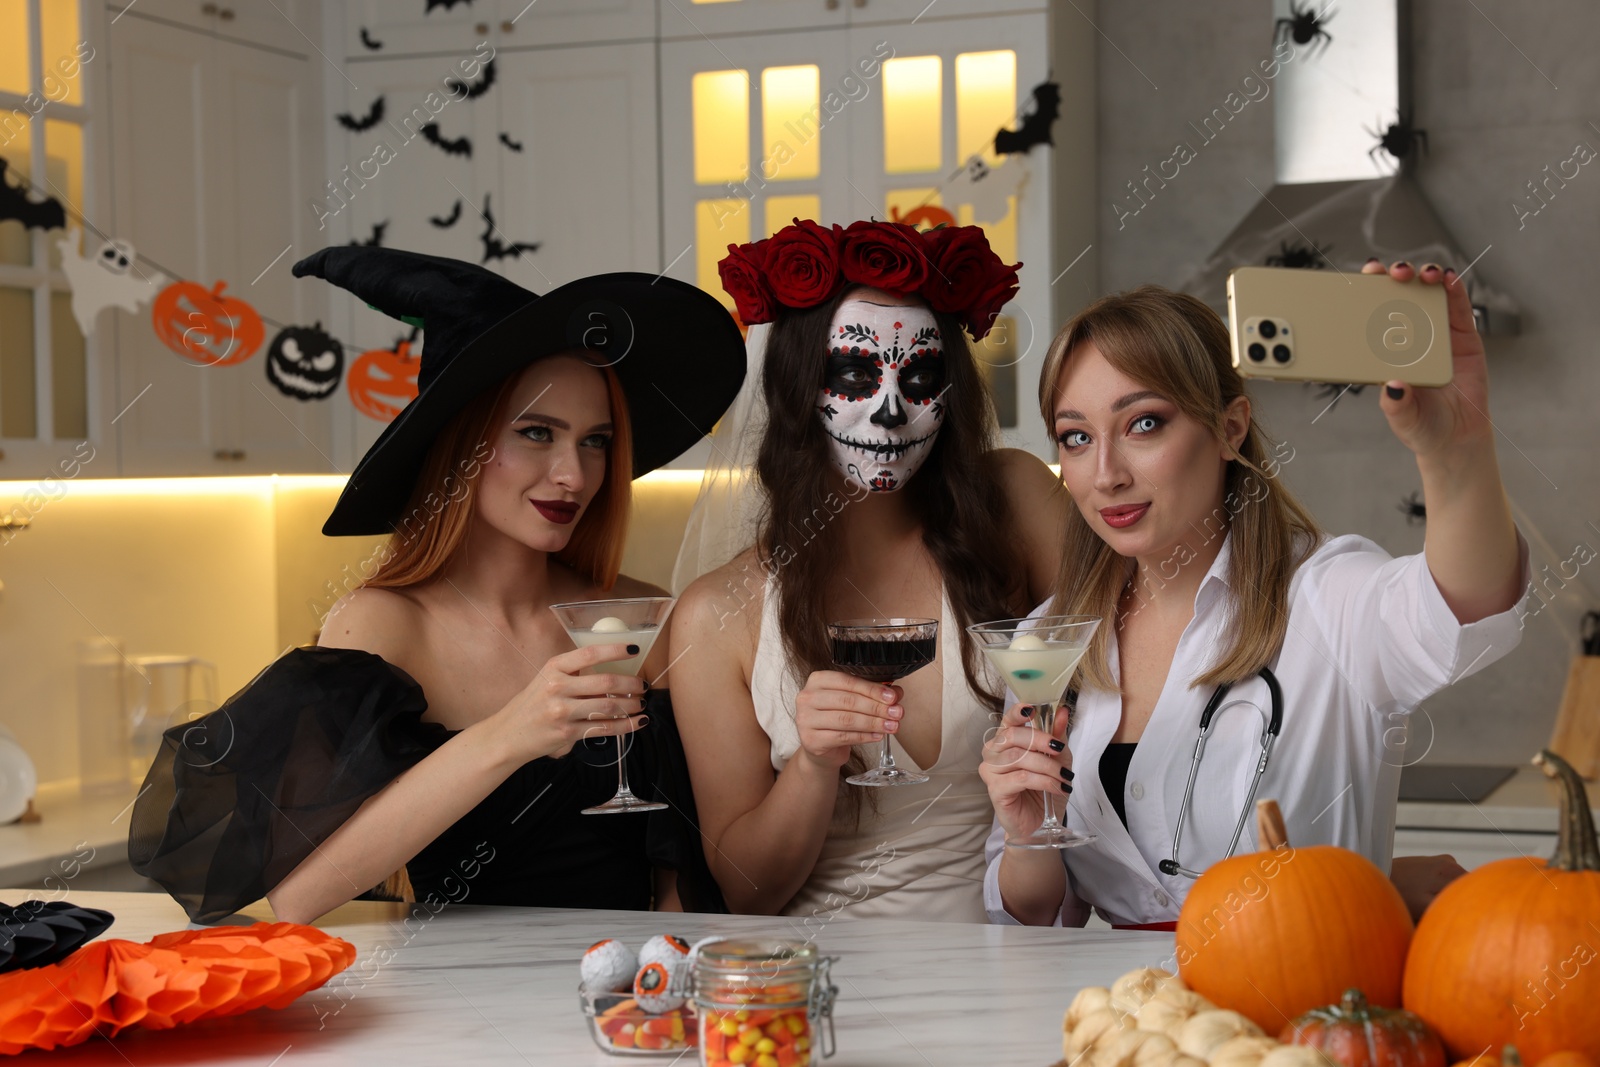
[1019, 764]
[562, 706]
[836, 711]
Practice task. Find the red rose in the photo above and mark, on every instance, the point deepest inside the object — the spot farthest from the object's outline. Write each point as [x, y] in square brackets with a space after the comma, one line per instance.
[962, 267]
[1002, 287]
[743, 276]
[803, 263]
[885, 255]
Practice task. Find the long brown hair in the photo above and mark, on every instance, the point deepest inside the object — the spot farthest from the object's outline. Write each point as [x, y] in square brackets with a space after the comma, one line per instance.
[955, 496]
[438, 516]
[1175, 345]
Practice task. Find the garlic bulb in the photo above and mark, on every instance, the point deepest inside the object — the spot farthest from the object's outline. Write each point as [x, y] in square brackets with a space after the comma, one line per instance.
[1089, 998]
[1244, 1051]
[1120, 1048]
[1130, 992]
[1205, 1032]
[1155, 1051]
[1091, 1029]
[1296, 1056]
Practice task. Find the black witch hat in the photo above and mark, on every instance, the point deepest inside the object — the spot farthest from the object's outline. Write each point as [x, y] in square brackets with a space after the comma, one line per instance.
[674, 348]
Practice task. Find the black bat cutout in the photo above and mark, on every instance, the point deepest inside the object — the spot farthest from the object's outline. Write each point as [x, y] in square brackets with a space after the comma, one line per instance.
[373, 116]
[477, 88]
[1036, 124]
[446, 4]
[459, 146]
[46, 214]
[449, 220]
[366, 39]
[493, 247]
[505, 139]
[376, 240]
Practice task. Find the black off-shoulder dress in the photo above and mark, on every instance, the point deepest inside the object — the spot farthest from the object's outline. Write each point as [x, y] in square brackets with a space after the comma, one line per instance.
[237, 799]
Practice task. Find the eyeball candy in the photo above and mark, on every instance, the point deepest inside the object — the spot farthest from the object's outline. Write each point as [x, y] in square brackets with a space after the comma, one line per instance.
[664, 948]
[609, 625]
[652, 988]
[1027, 643]
[608, 966]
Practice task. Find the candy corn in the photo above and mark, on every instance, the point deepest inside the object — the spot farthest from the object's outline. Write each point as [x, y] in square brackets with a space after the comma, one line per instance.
[756, 1037]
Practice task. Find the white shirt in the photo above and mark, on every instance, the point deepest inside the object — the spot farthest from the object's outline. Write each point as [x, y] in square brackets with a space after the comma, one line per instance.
[1369, 638]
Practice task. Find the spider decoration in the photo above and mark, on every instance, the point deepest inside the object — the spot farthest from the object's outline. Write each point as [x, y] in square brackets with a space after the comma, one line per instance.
[1413, 509]
[1299, 257]
[1305, 26]
[1398, 140]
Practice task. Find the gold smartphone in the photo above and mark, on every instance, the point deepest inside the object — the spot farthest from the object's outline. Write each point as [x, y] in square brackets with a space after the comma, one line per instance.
[1328, 326]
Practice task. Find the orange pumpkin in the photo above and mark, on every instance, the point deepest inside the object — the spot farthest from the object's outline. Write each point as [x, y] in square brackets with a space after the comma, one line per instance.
[1567, 1058]
[1513, 948]
[1356, 1034]
[204, 326]
[382, 381]
[1278, 932]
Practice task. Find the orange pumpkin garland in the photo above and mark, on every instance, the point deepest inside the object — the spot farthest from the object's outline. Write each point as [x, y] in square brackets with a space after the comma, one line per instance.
[381, 381]
[1513, 948]
[1275, 933]
[204, 326]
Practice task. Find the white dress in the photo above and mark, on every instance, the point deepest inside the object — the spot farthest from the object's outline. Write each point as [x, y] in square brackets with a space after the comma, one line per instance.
[1370, 637]
[920, 853]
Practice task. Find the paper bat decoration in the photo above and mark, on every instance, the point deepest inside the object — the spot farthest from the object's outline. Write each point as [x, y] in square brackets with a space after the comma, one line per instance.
[493, 247]
[515, 146]
[475, 89]
[373, 117]
[376, 240]
[366, 39]
[459, 146]
[1036, 124]
[446, 4]
[104, 281]
[449, 220]
[46, 214]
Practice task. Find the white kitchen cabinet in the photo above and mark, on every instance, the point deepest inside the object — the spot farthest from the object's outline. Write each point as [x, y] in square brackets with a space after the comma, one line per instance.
[416, 28]
[290, 25]
[1471, 848]
[213, 165]
[691, 20]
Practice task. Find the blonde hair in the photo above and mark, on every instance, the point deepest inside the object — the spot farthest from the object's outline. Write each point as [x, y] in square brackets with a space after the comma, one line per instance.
[439, 513]
[1174, 344]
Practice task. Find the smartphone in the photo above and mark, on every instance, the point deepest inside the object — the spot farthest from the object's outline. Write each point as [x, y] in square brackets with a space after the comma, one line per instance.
[1331, 326]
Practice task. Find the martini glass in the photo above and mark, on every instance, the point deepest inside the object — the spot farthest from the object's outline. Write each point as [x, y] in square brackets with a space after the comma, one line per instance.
[1037, 657]
[884, 650]
[634, 621]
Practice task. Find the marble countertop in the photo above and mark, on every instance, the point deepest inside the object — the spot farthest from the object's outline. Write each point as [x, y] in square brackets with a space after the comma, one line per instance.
[487, 985]
[1526, 803]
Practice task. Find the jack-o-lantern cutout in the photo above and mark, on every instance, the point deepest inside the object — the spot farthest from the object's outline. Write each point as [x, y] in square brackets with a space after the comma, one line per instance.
[383, 380]
[304, 362]
[926, 217]
[204, 326]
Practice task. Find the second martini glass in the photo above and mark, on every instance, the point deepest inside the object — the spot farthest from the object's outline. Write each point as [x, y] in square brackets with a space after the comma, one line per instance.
[634, 621]
[1037, 657]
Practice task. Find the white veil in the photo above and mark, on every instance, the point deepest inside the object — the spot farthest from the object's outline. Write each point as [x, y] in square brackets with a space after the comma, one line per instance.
[728, 509]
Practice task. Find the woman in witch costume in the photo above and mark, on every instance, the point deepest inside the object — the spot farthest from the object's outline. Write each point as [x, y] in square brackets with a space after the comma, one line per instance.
[882, 492]
[504, 487]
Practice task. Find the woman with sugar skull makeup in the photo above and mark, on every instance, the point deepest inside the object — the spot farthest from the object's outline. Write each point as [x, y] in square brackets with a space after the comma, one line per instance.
[881, 493]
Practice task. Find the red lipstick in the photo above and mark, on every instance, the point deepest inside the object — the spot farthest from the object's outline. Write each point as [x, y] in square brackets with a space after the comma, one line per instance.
[557, 511]
[1124, 515]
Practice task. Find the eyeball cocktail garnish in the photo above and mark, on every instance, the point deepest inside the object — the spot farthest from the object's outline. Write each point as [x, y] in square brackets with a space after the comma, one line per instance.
[609, 625]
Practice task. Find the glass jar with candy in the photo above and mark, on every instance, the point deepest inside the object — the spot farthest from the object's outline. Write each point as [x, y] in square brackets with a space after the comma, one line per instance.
[763, 1003]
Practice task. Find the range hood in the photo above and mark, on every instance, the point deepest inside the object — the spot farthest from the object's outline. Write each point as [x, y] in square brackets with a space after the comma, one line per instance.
[1336, 202]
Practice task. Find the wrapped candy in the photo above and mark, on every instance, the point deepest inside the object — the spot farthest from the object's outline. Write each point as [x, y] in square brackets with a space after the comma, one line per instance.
[608, 966]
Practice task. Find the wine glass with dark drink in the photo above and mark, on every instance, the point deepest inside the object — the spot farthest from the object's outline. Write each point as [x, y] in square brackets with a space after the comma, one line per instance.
[884, 650]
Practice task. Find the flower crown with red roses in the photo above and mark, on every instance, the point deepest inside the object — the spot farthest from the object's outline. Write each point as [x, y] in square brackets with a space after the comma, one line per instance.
[951, 268]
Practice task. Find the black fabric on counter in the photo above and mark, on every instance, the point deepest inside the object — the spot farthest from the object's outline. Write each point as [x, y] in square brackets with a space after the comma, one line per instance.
[236, 800]
[1114, 775]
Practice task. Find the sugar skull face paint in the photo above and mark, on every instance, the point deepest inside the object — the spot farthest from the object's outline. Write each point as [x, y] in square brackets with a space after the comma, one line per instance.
[882, 392]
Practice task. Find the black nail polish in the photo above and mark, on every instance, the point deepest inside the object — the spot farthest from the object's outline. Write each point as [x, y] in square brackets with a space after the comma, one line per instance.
[643, 719]
[1402, 263]
[1057, 746]
[642, 704]
[1066, 772]
[1394, 394]
[633, 650]
[1374, 259]
[1027, 711]
[1065, 788]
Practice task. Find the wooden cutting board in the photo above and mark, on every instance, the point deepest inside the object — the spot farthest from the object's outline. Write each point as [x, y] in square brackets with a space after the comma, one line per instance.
[1577, 734]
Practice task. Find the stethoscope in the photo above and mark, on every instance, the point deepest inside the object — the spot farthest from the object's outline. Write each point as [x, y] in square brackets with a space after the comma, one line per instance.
[1268, 736]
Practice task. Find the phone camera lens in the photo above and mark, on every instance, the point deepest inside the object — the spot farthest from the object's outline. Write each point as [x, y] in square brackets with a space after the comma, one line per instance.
[1269, 329]
[1258, 352]
[1281, 353]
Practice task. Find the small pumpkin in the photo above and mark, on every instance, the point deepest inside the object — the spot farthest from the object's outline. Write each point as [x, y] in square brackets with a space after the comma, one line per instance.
[382, 381]
[1356, 1034]
[1278, 932]
[204, 326]
[1512, 947]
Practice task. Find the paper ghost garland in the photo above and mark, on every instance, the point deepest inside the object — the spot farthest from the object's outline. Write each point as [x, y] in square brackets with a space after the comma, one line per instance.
[104, 281]
[304, 362]
[46, 214]
[987, 188]
[1036, 124]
